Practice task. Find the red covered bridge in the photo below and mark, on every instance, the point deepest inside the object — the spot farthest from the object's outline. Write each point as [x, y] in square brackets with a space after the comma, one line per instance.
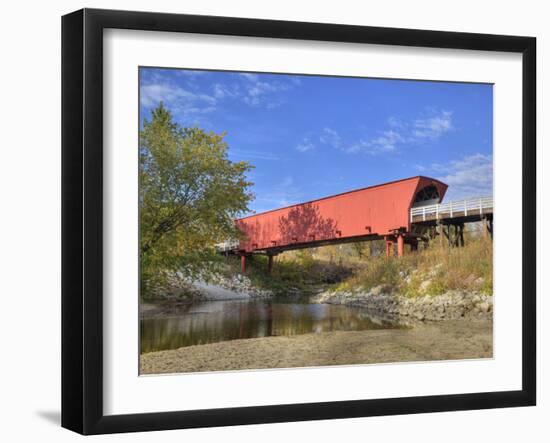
[376, 212]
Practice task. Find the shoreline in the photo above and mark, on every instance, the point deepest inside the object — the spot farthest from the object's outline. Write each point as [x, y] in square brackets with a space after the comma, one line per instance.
[452, 305]
[443, 340]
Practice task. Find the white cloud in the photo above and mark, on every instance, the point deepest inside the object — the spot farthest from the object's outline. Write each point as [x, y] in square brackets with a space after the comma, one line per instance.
[433, 127]
[331, 137]
[182, 102]
[190, 73]
[398, 133]
[470, 176]
[258, 90]
[189, 101]
[222, 91]
[305, 145]
[420, 168]
[249, 76]
[406, 133]
[386, 142]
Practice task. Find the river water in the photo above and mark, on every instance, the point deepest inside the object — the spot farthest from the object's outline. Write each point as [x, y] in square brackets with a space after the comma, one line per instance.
[216, 321]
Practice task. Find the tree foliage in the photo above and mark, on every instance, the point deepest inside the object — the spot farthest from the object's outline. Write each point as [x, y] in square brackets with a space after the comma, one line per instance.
[189, 195]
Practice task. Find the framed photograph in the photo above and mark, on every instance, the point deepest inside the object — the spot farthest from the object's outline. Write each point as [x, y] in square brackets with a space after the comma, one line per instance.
[269, 221]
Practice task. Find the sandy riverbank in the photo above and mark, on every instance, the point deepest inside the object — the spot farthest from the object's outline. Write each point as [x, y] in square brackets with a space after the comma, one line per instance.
[444, 340]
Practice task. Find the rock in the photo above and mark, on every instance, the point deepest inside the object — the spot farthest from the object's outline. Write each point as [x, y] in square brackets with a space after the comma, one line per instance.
[450, 305]
[484, 307]
[423, 288]
[377, 290]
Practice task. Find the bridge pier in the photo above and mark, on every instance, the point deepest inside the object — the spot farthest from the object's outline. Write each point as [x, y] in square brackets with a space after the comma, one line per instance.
[400, 245]
[487, 226]
[456, 235]
[269, 263]
[441, 231]
[400, 240]
[389, 246]
[243, 264]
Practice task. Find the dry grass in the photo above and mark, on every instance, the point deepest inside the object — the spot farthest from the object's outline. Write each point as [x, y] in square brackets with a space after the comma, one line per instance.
[434, 270]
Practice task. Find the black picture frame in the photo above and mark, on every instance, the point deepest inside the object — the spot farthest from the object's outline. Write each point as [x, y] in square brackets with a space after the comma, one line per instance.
[82, 218]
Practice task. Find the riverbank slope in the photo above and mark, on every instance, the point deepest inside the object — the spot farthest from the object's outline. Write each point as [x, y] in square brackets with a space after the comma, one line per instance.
[451, 305]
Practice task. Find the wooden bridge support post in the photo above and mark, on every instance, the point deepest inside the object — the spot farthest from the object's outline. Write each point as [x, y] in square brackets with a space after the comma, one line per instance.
[487, 227]
[454, 236]
[426, 244]
[243, 264]
[400, 245]
[389, 246]
[269, 263]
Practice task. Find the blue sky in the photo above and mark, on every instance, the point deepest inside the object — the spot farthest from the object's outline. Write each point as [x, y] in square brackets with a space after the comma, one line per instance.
[313, 136]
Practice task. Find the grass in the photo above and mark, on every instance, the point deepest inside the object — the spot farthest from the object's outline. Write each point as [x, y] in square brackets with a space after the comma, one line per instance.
[431, 271]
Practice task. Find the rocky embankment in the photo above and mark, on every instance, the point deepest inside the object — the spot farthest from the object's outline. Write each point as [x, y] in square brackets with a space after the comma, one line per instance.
[220, 287]
[170, 302]
[215, 287]
[451, 305]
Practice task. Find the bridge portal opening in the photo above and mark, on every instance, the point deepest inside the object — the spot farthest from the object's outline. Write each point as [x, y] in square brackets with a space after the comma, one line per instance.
[428, 195]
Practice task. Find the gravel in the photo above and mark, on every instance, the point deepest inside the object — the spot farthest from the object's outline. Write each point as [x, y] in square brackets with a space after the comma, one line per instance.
[451, 305]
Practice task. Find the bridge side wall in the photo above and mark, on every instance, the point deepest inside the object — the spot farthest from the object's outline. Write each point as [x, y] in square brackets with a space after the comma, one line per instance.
[377, 210]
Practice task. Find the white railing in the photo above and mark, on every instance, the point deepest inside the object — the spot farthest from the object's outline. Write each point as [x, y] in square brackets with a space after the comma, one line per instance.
[229, 245]
[467, 207]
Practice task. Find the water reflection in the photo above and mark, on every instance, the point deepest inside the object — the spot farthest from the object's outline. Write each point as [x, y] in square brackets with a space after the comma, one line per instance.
[217, 321]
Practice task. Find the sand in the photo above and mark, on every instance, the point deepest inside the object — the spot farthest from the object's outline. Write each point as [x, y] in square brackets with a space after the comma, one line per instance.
[444, 340]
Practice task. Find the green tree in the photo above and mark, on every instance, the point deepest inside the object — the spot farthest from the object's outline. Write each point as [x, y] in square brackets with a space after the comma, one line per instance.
[189, 195]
